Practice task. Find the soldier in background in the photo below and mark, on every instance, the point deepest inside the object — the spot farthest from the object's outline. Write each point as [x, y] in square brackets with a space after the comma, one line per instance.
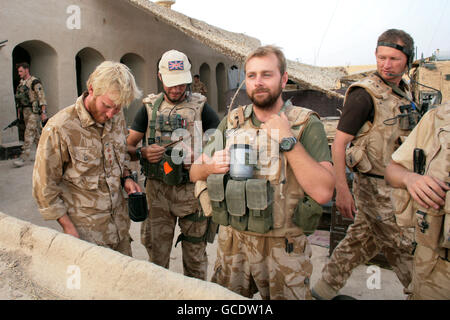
[375, 119]
[30, 101]
[82, 162]
[170, 194]
[425, 184]
[199, 86]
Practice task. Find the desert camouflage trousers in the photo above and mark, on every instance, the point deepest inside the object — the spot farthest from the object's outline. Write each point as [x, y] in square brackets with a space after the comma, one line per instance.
[431, 275]
[247, 264]
[92, 228]
[32, 131]
[373, 231]
[167, 204]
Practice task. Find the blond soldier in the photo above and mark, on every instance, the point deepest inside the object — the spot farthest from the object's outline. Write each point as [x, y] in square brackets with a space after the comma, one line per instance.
[82, 162]
[428, 193]
[198, 86]
[376, 117]
[30, 101]
[262, 242]
[163, 119]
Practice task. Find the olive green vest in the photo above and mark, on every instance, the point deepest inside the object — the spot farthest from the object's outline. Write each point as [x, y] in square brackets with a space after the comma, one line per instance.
[265, 205]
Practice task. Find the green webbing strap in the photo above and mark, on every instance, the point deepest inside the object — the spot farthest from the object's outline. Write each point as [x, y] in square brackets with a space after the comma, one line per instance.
[156, 106]
[195, 217]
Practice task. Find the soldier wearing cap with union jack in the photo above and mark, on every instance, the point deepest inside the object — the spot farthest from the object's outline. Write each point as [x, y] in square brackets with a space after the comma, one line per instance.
[162, 120]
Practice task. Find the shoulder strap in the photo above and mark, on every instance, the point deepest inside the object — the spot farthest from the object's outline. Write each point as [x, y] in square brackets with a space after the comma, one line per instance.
[152, 122]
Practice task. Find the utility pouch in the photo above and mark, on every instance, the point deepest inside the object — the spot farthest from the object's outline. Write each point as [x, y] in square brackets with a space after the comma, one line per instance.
[260, 203]
[428, 228]
[172, 172]
[408, 119]
[403, 208]
[236, 206]
[307, 215]
[356, 157]
[216, 190]
[137, 206]
[35, 107]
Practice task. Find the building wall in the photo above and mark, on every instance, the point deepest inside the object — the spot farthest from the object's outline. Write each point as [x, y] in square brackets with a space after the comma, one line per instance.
[108, 30]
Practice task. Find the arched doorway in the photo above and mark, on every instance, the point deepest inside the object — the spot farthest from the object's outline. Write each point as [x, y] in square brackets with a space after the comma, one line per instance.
[205, 75]
[86, 61]
[221, 81]
[137, 66]
[42, 59]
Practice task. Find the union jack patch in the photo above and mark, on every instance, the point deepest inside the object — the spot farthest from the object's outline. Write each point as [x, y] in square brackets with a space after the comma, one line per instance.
[176, 65]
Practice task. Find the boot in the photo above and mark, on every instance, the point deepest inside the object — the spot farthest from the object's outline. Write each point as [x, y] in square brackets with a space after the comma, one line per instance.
[19, 163]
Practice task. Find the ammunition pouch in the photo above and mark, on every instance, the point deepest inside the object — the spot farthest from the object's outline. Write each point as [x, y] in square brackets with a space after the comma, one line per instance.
[403, 208]
[445, 243]
[35, 107]
[245, 205]
[22, 96]
[357, 160]
[307, 215]
[137, 206]
[216, 190]
[166, 170]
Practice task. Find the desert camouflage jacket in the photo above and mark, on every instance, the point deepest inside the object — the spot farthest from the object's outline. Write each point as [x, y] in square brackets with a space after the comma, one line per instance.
[78, 168]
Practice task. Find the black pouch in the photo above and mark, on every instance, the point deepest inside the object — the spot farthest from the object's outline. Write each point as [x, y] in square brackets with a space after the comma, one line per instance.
[307, 215]
[216, 191]
[260, 203]
[137, 206]
[236, 206]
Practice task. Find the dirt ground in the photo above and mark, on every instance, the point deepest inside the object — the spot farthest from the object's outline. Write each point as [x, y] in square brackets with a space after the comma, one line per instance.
[16, 200]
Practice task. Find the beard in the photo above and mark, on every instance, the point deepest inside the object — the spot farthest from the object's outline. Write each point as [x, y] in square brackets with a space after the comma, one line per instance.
[268, 101]
[175, 101]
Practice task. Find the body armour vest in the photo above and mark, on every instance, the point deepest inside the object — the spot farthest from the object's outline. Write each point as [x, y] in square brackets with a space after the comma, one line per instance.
[26, 96]
[167, 123]
[433, 226]
[375, 142]
[273, 194]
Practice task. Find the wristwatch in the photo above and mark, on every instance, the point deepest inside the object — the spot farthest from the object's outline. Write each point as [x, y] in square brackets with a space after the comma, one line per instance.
[287, 144]
[131, 176]
[139, 153]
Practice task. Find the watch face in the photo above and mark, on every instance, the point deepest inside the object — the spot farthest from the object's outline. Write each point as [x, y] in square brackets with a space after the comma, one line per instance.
[285, 144]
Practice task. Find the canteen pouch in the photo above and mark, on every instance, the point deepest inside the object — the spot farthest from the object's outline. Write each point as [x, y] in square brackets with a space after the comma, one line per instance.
[172, 173]
[428, 228]
[403, 208]
[236, 206]
[201, 193]
[259, 195]
[307, 215]
[137, 206]
[356, 157]
[216, 184]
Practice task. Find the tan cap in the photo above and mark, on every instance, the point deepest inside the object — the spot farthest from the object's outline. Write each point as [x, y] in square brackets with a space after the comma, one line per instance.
[175, 68]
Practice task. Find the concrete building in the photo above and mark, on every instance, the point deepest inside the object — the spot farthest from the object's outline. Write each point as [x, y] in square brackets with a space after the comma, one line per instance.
[65, 40]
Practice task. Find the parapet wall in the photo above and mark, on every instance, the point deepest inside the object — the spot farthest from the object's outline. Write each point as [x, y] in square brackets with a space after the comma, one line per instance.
[75, 269]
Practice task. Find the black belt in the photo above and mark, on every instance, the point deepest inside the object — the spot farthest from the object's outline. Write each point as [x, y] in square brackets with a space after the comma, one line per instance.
[372, 175]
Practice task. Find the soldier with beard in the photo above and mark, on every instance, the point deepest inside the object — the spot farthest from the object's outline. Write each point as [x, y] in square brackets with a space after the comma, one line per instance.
[163, 117]
[262, 238]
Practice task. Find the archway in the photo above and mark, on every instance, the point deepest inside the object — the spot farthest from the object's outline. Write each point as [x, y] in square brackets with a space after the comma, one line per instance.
[86, 61]
[43, 61]
[221, 80]
[205, 75]
[137, 66]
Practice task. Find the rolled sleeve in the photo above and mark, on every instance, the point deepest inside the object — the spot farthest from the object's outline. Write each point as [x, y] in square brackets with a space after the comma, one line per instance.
[47, 175]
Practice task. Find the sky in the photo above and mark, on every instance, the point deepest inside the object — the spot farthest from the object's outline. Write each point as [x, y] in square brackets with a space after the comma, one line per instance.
[328, 32]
